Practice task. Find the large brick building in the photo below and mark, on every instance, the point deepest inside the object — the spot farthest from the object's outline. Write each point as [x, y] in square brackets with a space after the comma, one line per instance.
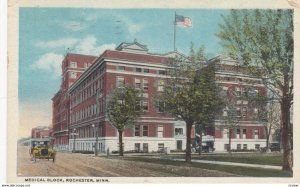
[73, 65]
[79, 106]
[41, 132]
[247, 133]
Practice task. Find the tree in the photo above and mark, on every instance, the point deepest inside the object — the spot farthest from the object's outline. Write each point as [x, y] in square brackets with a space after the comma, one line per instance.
[212, 104]
[231, 116]
[185, 95]
[267, 111]
[263, 39]
[122, 111]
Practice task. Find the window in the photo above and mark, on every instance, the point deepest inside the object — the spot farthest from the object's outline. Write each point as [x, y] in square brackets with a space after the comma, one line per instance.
[161, 72]
[161, 106]
[138, 106]
[145, 84]
[72, 75]
[238, 133]
[238, 146]
[257, 146]
[160, 85]
[120, 82]
[256, 134]
[137, 147]
[145, 95]
[121, 68]
[137, 83]
[178, 131]
[244, 133]
[225, 88]
[139, 70]
[226, 147]
[238, 91]
[160, 131]
[161, 147]
[145, 105]
[244, 146]
[225, 113]
[225, 133]
[146, 70]
[145, 130]
[244, 112]
[73, 64]
[137, 130]
[238, 112]
[145, 148]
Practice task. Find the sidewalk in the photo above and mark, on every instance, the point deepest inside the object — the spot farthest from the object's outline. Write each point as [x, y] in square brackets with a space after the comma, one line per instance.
[235, 164]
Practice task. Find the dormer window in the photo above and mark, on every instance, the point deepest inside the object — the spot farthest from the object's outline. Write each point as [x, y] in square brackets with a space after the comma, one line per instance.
[73, 64]
[139, 70]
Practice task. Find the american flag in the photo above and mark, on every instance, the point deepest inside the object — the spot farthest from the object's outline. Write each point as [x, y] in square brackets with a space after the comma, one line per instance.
[183, 21]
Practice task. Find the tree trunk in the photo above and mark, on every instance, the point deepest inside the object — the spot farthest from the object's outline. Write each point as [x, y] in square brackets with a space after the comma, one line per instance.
[200, 142]
[229, 141]
[285, 120]
[189, 125]
[121, 142]
[268, 132]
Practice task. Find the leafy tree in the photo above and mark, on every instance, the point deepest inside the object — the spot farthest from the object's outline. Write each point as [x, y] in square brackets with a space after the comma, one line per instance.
[264, 39]
[122, 111]
[187, 96]
[231, 116]
[267, 111]
[212, 104]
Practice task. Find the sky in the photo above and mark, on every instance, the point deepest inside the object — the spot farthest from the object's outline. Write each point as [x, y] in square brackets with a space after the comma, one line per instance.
[47, 34]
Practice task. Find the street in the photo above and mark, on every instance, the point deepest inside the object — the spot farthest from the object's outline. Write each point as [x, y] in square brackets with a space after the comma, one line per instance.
[70, 164]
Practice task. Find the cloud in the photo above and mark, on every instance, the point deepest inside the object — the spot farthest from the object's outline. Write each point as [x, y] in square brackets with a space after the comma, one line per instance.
[49, 62]
[74, 25]
[63, 42]
[130, 25]
[89, 46]
[135, 28]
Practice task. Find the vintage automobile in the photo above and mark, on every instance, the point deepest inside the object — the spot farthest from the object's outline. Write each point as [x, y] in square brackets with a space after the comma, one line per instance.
[41, 149]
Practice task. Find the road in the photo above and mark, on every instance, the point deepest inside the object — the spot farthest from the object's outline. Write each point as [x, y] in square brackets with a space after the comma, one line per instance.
[76, 164]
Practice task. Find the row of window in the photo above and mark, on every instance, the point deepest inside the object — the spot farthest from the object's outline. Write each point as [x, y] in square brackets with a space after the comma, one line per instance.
[88, 112]
[241, 80]
[87, 92]
[240, 134]
[141, 70]
[140, 83]
[238, 91]
[239, 146]
[94, 75]
[238, 112]
[87, 132]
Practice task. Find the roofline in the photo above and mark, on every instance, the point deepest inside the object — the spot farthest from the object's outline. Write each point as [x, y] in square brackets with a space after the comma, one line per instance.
[100, 59]
[81, 54]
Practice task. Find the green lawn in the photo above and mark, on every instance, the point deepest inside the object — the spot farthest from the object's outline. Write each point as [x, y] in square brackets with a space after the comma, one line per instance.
[251, 158]
[243, 171]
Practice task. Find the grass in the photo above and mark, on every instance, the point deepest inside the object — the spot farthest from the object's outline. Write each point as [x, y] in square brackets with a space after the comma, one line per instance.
[254, 158]
[243, 171]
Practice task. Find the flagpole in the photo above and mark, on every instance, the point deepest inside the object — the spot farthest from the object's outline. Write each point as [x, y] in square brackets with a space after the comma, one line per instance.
[175, 32]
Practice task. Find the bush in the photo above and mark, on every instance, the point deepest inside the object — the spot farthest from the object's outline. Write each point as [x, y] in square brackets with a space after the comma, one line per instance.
[177, 151]
[243, 150]
[83, 152]
[129, 151]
